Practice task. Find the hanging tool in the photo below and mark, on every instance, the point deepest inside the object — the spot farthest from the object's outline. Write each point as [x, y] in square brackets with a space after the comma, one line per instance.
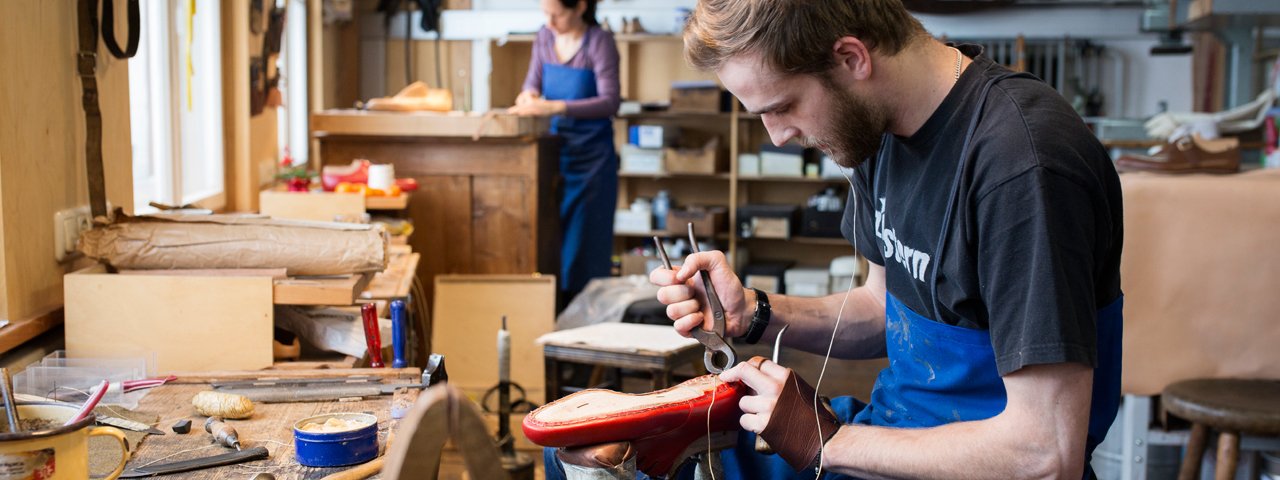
[398, 325]
[232, 458]
[372, 335]
[223, 434]
[719, 355]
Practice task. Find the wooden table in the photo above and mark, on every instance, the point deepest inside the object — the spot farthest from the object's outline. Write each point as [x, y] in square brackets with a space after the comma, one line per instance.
[652, 348]
[271, 426]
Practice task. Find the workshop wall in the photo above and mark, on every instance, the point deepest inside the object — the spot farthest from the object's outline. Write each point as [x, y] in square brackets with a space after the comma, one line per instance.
[42, 149]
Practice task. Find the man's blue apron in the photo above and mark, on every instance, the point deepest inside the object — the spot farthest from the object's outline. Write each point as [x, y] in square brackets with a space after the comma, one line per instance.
[940, 373]
[589, 167]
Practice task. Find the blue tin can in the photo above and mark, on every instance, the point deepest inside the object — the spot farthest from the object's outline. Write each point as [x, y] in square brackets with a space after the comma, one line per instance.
[335, 449]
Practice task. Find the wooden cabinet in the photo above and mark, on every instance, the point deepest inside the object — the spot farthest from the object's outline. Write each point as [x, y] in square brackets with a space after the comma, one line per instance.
[484, 206]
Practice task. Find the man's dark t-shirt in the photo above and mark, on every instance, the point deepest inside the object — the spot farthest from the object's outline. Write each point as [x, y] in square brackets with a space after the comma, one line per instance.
[1033, 250]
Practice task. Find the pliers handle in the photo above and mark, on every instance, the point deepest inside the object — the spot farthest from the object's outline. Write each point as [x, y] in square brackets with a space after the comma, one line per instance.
[719, 355]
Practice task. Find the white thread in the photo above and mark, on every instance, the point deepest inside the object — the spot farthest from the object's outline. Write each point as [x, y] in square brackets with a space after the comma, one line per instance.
[177, 453]
[715, 385]
[817, 420]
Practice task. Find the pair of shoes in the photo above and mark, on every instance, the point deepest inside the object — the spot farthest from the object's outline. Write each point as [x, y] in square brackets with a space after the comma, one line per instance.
[1190, 154]
[632, 26]
[662, 426]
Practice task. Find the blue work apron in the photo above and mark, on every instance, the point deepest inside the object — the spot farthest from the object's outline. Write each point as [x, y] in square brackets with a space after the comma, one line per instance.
[940, 373]
[589, 168]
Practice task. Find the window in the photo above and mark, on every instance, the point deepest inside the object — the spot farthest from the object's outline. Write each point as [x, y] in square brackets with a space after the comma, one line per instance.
[175, 103]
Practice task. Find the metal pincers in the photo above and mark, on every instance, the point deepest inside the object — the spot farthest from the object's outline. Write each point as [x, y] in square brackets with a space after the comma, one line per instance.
[719, 355]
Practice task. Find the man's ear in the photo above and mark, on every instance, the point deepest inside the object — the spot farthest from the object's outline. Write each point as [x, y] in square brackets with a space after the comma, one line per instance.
[853, 58]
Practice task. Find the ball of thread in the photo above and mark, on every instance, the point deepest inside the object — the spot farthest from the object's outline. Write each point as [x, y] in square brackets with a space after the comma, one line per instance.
[226, 405]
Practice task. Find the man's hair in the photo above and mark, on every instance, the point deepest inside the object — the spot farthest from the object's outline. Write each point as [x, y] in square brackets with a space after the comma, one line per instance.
[794, 36]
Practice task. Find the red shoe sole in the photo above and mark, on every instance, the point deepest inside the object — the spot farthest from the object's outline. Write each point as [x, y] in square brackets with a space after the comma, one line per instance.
[660, 425]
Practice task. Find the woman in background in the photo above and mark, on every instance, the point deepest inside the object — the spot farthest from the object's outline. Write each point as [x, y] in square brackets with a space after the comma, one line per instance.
[573, 77]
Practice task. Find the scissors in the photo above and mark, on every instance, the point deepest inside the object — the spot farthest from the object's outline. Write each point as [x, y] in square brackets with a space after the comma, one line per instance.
[719, 355]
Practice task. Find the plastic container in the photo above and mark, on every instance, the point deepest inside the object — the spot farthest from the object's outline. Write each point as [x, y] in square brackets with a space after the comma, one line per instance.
[335, 449]
[661, 205]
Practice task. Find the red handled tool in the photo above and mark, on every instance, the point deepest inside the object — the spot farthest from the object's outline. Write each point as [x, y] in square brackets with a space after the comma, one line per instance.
[372, 336]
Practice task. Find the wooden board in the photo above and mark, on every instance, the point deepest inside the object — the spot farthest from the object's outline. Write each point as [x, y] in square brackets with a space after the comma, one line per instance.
[322, 207]
[320, 291]
[398, 202]
[285, 370]
[188, 323]
[396, 280]
[467, 314]
[424, 124]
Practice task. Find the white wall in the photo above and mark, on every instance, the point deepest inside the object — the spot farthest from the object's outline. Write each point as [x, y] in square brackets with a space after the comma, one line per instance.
[1147, 80]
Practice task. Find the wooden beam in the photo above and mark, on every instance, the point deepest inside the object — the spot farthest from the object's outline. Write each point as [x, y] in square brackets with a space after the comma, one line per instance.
[241, 173]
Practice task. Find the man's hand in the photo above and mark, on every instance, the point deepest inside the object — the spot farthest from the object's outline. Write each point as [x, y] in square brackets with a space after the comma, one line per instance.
[784, 411]
[683, 294]
[537, 107]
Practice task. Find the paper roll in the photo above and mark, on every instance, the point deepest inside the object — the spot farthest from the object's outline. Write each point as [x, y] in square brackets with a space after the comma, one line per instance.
[382, 176]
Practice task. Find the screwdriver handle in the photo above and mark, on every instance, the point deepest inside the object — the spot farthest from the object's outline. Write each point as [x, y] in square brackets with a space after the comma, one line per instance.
[222, 433]
[398, 325]
[372, 336]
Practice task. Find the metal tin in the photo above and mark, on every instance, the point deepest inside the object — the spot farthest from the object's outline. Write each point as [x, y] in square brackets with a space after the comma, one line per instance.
[334, 449]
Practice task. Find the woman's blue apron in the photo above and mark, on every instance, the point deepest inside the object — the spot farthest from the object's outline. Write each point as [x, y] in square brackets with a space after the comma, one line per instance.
[589, 167]
[940, 373]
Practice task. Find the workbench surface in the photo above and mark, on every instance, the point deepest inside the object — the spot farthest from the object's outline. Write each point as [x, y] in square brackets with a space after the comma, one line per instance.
[271, 426]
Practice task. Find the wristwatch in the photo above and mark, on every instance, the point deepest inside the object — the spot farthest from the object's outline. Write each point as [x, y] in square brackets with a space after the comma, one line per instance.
[759, 321]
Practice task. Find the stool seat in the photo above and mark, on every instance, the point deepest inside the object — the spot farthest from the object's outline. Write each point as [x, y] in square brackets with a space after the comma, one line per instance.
[1234, 407]
[1251, 406]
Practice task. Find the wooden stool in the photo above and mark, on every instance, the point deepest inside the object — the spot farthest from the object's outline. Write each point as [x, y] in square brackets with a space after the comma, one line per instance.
[1231, 406]
[657, 349]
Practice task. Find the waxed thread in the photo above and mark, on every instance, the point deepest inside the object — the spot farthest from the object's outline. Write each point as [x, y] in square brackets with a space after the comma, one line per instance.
[817, 419]
[715, 385]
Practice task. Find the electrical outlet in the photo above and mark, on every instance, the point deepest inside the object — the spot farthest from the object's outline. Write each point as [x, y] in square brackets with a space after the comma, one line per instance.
[67, 226]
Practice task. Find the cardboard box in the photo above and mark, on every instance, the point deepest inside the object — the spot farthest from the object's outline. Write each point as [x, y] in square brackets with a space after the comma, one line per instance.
[652, 136]
[642, 160]
[707, 221]
[698, 97]
[808, 282]
[708, 159]
[766, 276]
[639, 264]
[630, 221]
[191, 323]
[784, 161]
[766, 221]
[749, 164]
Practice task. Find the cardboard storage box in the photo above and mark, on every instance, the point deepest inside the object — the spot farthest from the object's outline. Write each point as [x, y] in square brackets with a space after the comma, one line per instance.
[707, 221]
[642, 160]
[698, 97]
[766, 221]
[808, 282]
[631, 221]
[708, 159]
[766, 276]
[639, 264]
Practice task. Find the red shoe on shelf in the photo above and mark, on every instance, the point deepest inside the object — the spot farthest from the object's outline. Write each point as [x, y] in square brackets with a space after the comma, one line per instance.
[662, 426]
[332, 175]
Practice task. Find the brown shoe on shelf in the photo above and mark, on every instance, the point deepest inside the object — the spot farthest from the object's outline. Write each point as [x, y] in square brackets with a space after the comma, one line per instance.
[1191, 154]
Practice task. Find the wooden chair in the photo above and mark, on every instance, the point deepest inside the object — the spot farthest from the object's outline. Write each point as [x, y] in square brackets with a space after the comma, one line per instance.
[1234, 407]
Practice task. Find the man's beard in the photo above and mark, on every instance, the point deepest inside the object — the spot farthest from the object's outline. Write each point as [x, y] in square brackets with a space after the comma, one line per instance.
[854, 131]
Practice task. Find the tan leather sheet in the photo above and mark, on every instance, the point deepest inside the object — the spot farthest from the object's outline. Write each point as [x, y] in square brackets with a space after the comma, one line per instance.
[1201, 275]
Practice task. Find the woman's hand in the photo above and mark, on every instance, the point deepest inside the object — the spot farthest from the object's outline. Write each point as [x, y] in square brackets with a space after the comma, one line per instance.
[538, 107]
[526, 97]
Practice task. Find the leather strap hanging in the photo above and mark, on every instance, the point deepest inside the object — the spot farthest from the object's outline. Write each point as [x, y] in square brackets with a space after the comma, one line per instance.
[86, 63]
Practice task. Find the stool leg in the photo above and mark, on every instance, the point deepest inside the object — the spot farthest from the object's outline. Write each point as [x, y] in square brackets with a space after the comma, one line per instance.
[1195, 451]
[1228, 455]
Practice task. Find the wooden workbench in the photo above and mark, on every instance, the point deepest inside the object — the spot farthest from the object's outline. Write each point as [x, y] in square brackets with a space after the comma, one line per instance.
[271, 426]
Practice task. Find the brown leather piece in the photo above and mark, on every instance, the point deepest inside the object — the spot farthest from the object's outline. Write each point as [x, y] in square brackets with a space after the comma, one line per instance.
[792, 431]
[604, 455]
[1187, 155]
